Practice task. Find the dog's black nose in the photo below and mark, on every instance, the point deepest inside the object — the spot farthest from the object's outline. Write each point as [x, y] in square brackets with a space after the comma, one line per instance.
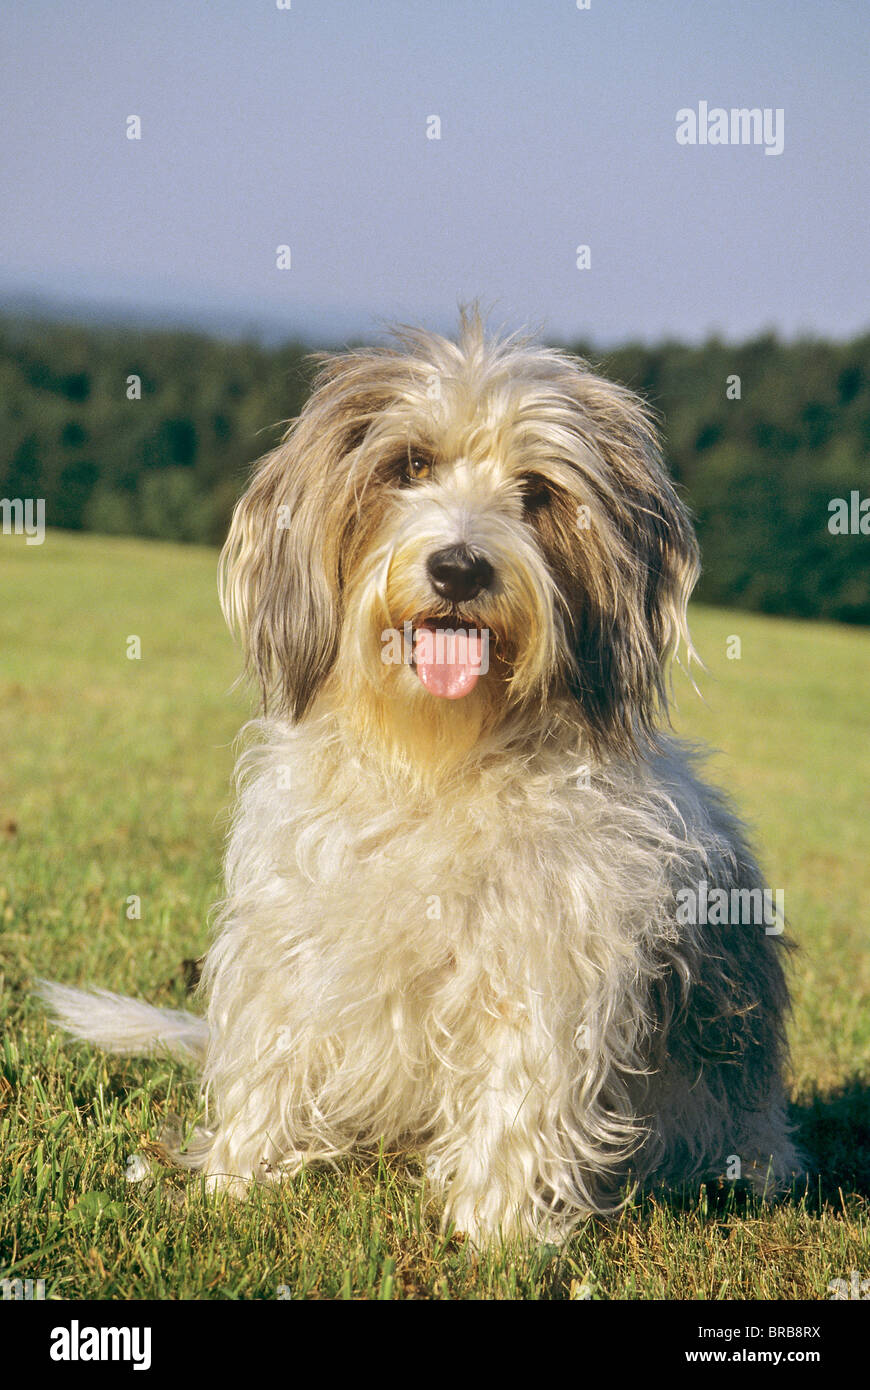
[458, 574]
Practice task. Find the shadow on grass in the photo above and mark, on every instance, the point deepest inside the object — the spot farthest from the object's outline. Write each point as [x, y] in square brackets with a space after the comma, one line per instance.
[833, 1129]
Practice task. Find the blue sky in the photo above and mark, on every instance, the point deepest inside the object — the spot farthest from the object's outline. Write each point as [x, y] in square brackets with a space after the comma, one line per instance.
[307, 127]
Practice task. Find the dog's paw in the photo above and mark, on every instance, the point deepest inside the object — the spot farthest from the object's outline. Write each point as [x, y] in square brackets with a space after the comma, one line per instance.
[230, 1185]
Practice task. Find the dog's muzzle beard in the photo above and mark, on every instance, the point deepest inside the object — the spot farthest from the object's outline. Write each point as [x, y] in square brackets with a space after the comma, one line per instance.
[441, 645]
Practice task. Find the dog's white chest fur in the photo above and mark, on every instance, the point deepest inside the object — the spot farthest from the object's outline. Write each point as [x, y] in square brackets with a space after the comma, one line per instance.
[495, 882]
[443, 969]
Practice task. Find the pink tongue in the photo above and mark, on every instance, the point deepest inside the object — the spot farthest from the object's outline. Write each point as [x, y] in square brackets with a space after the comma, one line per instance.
[448, 663]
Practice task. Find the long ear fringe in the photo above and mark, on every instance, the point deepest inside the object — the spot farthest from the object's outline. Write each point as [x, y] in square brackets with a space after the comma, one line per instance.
[275, 592]
[630, 635]
[281, 566]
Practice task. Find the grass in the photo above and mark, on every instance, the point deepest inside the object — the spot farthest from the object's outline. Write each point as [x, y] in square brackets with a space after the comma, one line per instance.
[114, 783]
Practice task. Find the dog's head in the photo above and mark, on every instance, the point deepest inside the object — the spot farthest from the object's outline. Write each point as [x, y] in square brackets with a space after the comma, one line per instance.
[489, 489]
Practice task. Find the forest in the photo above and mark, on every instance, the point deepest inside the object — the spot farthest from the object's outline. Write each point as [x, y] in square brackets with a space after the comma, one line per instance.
[768, 440]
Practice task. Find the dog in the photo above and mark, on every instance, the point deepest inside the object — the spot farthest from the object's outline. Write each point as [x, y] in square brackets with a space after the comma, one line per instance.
[465, 836]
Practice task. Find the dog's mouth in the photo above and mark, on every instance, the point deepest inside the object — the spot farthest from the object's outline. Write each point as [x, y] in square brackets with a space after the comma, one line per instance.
[449, 655]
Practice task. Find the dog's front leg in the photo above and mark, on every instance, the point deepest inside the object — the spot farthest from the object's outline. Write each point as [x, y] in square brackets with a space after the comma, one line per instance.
[250, 1141]
[498, 1160]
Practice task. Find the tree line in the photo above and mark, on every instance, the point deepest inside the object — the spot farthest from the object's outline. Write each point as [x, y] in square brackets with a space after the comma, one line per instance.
[153, 434]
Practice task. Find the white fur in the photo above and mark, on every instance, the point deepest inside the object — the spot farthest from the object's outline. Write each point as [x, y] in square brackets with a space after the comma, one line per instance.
[451, 925]
[127, 1026]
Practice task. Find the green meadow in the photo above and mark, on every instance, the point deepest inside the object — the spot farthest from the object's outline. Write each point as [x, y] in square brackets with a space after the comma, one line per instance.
[114, 785]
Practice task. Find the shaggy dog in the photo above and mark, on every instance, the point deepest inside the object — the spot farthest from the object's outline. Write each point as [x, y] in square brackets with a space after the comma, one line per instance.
[468, 881]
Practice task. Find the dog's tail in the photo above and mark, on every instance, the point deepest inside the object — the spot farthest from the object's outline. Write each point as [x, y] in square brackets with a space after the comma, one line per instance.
[118, 1024]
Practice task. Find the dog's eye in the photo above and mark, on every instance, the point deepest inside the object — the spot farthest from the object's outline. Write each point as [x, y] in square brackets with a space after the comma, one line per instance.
[536, 495]
[417, 468]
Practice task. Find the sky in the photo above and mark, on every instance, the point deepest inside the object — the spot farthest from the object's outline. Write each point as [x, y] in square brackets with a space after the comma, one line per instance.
[307, 127]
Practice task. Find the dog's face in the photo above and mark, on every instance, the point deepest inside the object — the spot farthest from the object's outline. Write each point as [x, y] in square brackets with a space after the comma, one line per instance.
[457, 537]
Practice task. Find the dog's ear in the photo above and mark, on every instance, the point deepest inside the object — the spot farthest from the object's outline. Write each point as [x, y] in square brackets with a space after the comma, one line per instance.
[281, 566]
[278, 589]
[638, 564]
